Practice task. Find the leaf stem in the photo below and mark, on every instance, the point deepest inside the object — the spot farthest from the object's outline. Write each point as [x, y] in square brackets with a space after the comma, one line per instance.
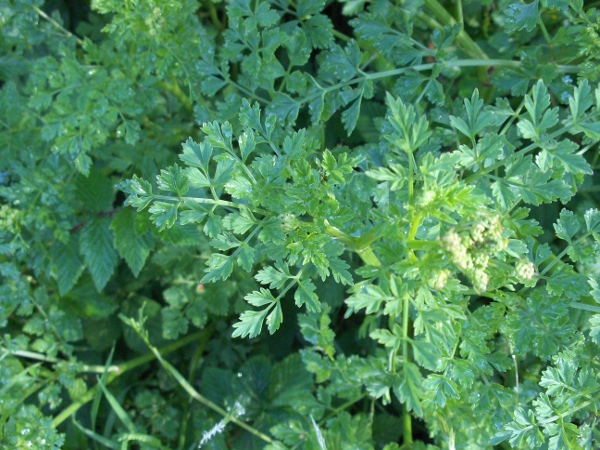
[189, 389]
[57, 25]
[585, 307]
[202, 336]
[468, 44]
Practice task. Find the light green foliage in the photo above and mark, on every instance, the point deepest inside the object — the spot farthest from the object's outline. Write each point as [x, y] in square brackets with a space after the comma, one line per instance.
[299, 224]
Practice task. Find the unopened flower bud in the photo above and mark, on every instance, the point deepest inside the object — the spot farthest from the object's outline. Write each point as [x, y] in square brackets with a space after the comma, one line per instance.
[524, 270]
[289, 222]
[425, 198]
[480, 280]
[438, 279]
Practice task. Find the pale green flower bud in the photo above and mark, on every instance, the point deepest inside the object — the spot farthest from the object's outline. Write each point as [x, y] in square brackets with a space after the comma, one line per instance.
[480, 280]
[289, 222]
[524, 270]
[426, 198]
[438, 279]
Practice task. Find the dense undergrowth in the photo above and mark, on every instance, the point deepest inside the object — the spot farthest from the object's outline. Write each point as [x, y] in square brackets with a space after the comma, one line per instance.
[299, 224]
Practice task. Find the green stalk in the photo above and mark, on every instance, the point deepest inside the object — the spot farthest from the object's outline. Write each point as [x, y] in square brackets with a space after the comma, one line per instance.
[189, 389]
[202, 336]
[56, 24]
[406, 416]
[468, 44]
[174, 89]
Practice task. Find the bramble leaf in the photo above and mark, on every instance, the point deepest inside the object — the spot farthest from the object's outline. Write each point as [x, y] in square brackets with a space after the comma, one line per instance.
[96, 247]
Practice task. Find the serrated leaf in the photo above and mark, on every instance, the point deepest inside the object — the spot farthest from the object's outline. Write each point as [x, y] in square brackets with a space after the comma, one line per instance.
[219, 136]
[386, 338]
[133, 247]
[260, 298]
[139, 192]
[250, 323]
[196, 155]
[567, 225]
[275, 277]
[219, 267]
[66, 266]
[275, 318]
[174, 323]
[521, 16]
[163, 214]
[342, 63]
[95, 191]
[196, 178]
[172, 179]
[595, 328]
[305, 294]
[426, 354]
[318, 31]
[309, 7]
[247, 144]
[195, 214]
[409, 389]
[581, 100]
[223, 173]
[350, 115]
[96, 247]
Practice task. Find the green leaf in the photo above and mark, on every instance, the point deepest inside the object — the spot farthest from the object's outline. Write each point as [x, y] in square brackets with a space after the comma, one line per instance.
[567, 225]
[342, 63]
[139, 192]
[387, 338]
[581, 100]
[315, 328]
[350, 115]
[219, 267]
[275, 277]
[96, 247]
[174, 323]
[250, 324]
[542, 118]
[275, 318]
[172, 179]
[95, 191]
[309, 7]
[409, 389]
[476, 118]
[219, 136]
[163, 214]
[409, 133]
[133, 247]
[563, 153]
[247, 144]
[426, 354]
[196, 155]
[66, 266]
[521, 16]
[305, 294]
[260, 298]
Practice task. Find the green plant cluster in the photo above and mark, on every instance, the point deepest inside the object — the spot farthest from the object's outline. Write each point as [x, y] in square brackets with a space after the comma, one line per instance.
[299, 224]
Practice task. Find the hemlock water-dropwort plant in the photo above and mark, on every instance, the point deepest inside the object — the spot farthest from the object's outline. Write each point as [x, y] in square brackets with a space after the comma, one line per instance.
[303, 224]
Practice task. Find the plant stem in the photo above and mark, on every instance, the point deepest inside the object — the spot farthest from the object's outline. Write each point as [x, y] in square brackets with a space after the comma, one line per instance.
[127, 366]
[174, 89]
[468, 44]
[56, 24]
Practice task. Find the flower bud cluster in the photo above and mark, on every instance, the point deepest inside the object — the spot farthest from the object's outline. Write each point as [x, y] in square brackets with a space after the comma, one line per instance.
[524, 270]
[425, 199]
[9, 219]
[289, 222]
[438, 279]
[472, 246]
